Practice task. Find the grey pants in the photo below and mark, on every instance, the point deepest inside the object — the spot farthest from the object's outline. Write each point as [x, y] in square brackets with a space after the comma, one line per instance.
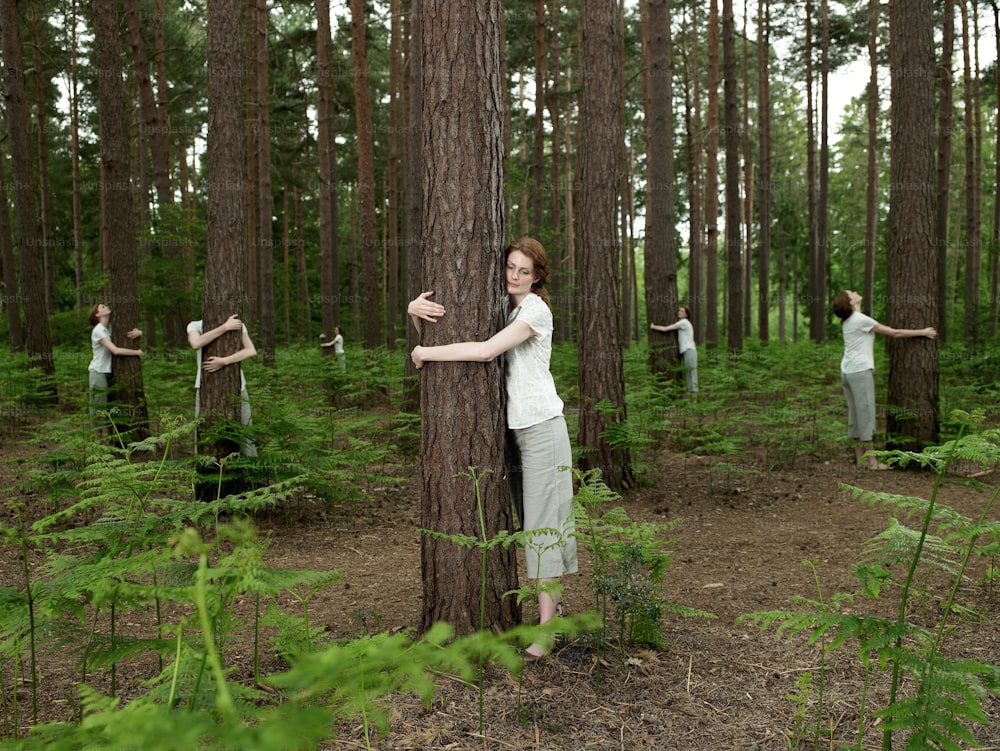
[546, 492]
[859, 390]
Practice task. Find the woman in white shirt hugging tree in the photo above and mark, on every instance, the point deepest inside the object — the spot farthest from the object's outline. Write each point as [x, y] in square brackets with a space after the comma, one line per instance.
[857, 369]
[534, 417]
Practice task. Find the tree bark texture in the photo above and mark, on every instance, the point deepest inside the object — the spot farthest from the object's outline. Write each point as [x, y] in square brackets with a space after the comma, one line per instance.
[462, 404]
[659, 253]
[599, 336]
[28, 239]
[226, 258]
[329, 277]
[265, 198]
[734, 213]
[912, 283]
[366, 176]
[119, 221]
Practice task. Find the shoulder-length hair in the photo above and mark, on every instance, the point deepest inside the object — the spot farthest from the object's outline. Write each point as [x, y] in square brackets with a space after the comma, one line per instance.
[842, 307]
[534, 250]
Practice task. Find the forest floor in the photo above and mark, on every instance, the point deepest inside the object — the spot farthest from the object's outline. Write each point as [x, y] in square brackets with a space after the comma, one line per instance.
[717, 684]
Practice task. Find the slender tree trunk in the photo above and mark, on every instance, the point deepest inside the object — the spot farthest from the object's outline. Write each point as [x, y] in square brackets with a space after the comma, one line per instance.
[304, 311]
[599, 341]
[995, 234]
[871, 183]
[696, 194]
[462, 238]
[764, 202]
[42, 156]
[538, 139]
[816, 311]
[226, 217]
[912, 258]
[748, 181]
[265, 199]
[8, 265]
[823, 182]
[120, 219]
[366, 175]
[394, 310]
[554, 239]
[413, 183]
[734, 220]
[74, 127]
[328, 261]
[712, 184]
[250, 155]
[973, 221]
[659, 253]
[26, 227]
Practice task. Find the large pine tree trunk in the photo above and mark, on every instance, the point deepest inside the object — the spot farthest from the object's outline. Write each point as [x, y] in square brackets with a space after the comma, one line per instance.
[225, 257]
[119, 220]
[912, 286]
[599, 337]
[463, 423]
[659, 253]
[27, 231]
[366, 176]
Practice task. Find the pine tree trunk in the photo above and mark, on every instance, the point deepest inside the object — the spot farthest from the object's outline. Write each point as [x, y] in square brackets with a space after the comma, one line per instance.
[764, 200]
[872, 180]
[599, 337]
[659, 253]
[26, 227]
[712, 183]
[119, 220]
[734, 221]
[695, 173]
[463, 423]
[823, 182]
[265, 199]
[226, 218]
[366, 176]
[973, 221]
[8, 265]
[42, 155]
[393, 309]
[326, 144]
[912, 259]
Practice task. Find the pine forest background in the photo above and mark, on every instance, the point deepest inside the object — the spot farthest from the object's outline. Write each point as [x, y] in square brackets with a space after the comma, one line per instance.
[737, 195]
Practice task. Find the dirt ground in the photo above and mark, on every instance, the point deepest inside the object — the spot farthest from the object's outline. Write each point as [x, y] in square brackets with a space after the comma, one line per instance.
[718, 684]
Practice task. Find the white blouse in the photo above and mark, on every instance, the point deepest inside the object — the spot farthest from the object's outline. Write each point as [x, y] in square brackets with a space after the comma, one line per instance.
[531, 392]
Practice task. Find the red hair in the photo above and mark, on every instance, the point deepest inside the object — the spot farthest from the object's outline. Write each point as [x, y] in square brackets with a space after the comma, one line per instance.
[534, 250]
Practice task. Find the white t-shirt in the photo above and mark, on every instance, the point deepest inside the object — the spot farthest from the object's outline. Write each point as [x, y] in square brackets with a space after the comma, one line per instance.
[531, 392]
[685, 335]
[101, 363]
[338, 344]
[859, 343]
[197, 327]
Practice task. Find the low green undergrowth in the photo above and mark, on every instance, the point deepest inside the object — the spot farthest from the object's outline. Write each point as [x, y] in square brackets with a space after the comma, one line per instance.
[934, 699]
